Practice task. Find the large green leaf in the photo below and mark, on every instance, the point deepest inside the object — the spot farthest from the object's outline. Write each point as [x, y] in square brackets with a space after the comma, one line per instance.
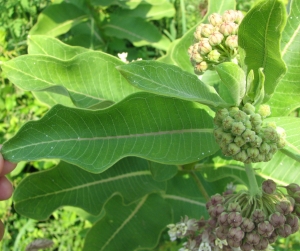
[69, 185]
[233, 82]
[135, 29]
[89, 78]
[128, 228]
[50, 46]
[165, 130]
[286, 97]
[58, 19]
[259, 36]
[170, 80]
[177, 53]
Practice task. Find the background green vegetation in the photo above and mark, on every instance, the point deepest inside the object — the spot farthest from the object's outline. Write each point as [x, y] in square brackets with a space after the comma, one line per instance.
[66, 227]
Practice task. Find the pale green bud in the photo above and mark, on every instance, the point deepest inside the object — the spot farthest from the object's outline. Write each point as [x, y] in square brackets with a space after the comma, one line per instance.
[248, 124]
[252, 152]
[227, 138]
[196, 57]
[268, 156]
[233, 110]
[197, 34]
[241, 156]
[270, 134]
[281, 143]
[233, 149]
[218, 133]
[264, 110]
[264, 148]
[240, 116]
[239, 141]
[248, 135]
[273, 148]
[214, 55]
[239, 16]
[232, 42]
[227, 123]
[282, 135]
[215, 19]
[257, 141]
[259, 158]
[222, 113]
[228, 28]
[255, 119]
[204, 47]
[249, 109]
[215, 38]
[237, 128]
[200, 67]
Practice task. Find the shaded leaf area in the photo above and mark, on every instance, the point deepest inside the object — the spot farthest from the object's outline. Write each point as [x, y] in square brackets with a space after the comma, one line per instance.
[138, 226]
[233, 82]
[161, 172]
[177, 53]
[136, 29]
[170, 80]
[39, 194]
[186, 198]
[50, 46]
[286, 98]
[259, 35]
[88, 79]
[58, 19]
[165, 130]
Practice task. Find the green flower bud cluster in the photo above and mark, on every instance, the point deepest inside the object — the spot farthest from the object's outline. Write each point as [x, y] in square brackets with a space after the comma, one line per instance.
[242, 134]
[239, 221]
[215, 42]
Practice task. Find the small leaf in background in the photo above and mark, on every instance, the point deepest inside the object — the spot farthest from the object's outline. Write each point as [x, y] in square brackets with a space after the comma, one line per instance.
[259, 36]
[165, 130]
[170, 80]
[131, 227]
[39, 244]
[178, 51]
[69, 185]
[286, 98]
[58, 19]
[233, 82]
[89, 78]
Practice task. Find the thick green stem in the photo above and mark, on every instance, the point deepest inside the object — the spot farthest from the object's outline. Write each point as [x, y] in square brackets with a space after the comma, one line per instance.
[254, 189]
[200, 186]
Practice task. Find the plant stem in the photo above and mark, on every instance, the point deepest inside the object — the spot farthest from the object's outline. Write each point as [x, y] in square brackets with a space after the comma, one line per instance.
[253, 186]
[200, 186]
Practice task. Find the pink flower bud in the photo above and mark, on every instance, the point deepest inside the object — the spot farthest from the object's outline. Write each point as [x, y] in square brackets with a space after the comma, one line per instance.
[207, 29]
[229, 15]
[247, 225]
[234, 219]
[265, 229]
[284, 231]
[204, 47]
[215, 38]
[284, 207]
[215, 19]
[236, 233]
[262, 245]
[228, 28]
[292, 188]
[269, 186]
[252, 238]
[201, 67]
[277, 219]
[232, 41]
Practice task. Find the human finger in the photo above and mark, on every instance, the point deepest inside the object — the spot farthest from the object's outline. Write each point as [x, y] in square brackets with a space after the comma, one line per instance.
[6, 188]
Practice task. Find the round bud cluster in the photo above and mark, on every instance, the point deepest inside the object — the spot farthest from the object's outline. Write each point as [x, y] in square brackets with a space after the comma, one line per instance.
[239, 221]
[215, 42]
[242, 134]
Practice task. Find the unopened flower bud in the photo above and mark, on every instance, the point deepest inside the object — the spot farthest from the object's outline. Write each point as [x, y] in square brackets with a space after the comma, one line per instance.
[215, 19]
[247, 225]
[239, 141]
[222, 113]
[293, 221]
[216, 199]
[265, 229]
[252, 238]
[284, 231]
[248, 135]
[233, 110]
[270, 134]
[222, 219]
[207, 29]
[284, 207]
[256, 142]
[204, 47]
[240, 116]
[215, 38]
[201, 67]
[228, 28]
[234, 244]
[234, 219]
[227, 138]
[233, 149]
[221, 232]
[197, 34]
[277, 219]
[218, 133]
[227, 123]
[214, 55]
[248, 108]
[236, 233]
[229, 15]
[232, 42]
[264, 111]
[269, 186]
[246, 247]
[234, 207]
[296, 196]
[241, 156]
[196, 57]
[252, 152]
[273, 237]
[239, 17]
[216, 211]
[262, 245]
[292, 188]
[264, 148]
[255, 119]
[258, 216]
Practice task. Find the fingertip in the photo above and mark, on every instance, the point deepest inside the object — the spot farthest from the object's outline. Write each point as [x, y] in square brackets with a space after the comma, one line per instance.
[6, 188]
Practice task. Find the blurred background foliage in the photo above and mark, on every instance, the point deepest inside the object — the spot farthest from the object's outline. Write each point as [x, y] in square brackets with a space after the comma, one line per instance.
[67, 226]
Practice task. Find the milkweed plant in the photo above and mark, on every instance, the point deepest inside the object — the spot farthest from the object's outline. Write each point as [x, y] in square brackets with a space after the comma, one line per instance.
[201, 144]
